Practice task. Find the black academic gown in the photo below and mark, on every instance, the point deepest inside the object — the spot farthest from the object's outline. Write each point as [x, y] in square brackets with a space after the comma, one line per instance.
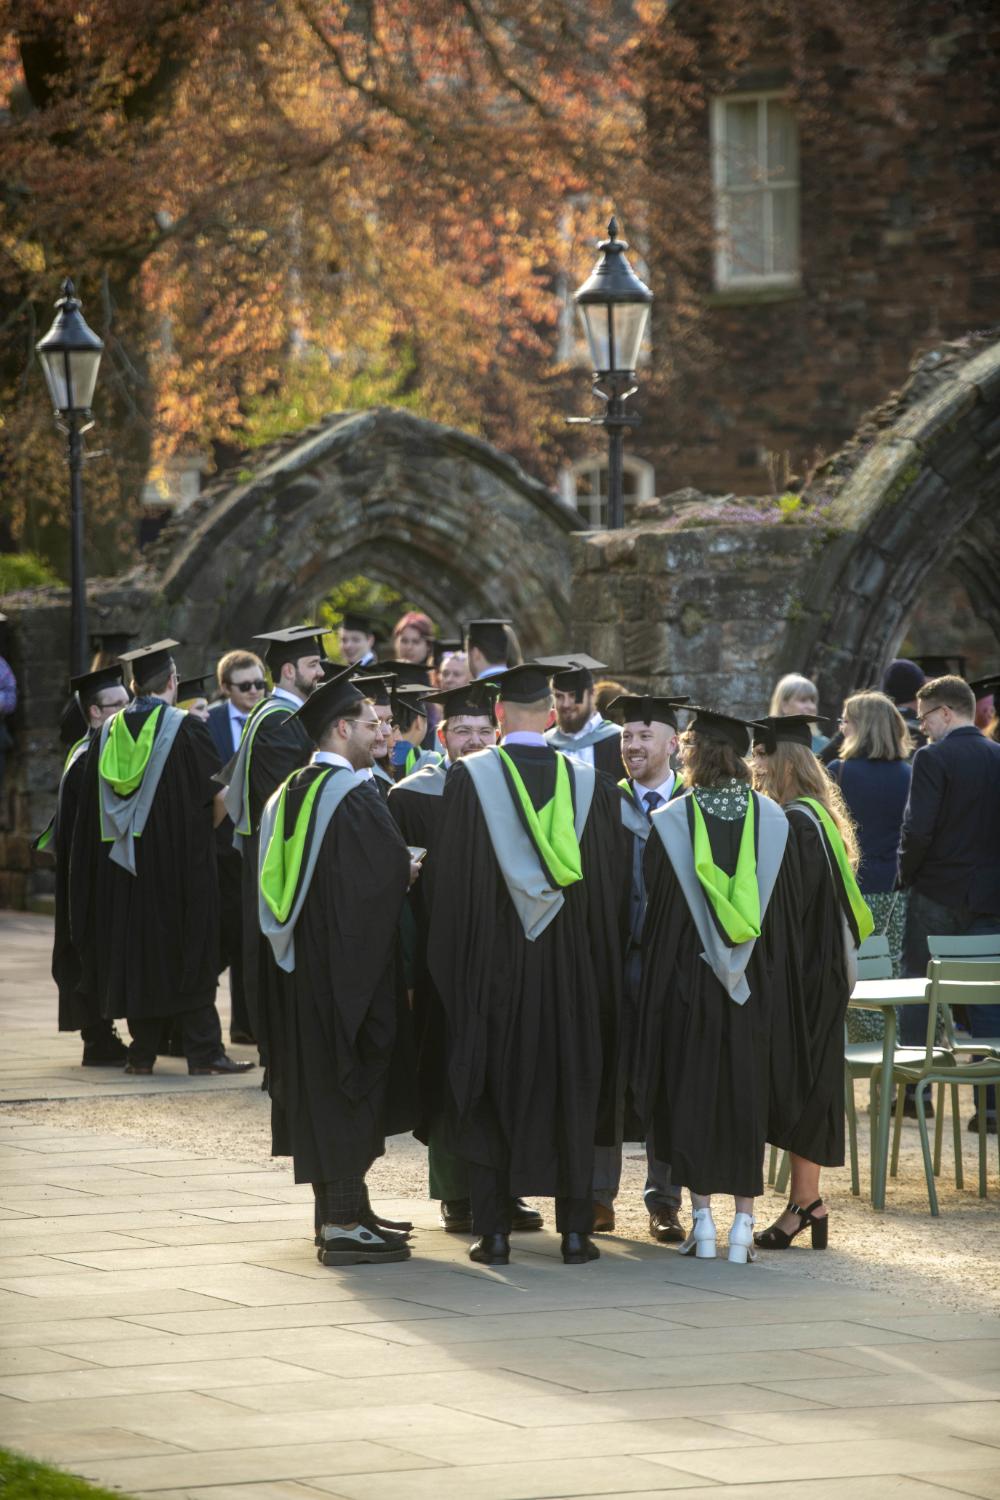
[419, 816]
[818, 1133]
[608, 756]
[280, 746]
[335, 1029]
[714, 1079]
[532, 1075]
[149, 942]
[76, 1008]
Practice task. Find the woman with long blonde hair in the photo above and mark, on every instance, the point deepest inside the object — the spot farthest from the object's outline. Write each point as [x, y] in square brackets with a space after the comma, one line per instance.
[834, 919]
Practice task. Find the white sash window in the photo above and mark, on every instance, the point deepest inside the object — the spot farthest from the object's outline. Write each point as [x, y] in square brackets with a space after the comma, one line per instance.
[755, 164]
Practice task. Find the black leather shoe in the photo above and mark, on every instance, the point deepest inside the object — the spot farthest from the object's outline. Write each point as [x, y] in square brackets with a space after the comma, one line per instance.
[665, 1227]
[577, 1249]
[221, 1064]
[523, 1217]
[910, 1107]
[991, 1124]
[604, 1219]
[491, 1250]
[134, 1069]
[456, 1216]
[109, 1052]
[242, 1039]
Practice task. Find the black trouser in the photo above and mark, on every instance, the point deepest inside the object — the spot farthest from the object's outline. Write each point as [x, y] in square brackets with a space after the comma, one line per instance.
[340, 1202]
[231, 933]
[200, 1030]
[489, 1191]
[97, 1031]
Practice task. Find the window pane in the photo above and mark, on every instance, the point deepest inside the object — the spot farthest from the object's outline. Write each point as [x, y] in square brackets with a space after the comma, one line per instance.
[745, 241]
[782, 143]
[785, 221]
[742, 167]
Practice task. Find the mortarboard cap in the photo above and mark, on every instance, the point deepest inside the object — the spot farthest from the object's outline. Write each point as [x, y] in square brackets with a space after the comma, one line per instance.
[475, 698]
[147, 662]
[573, 673]
[719, 726]
[407, 701]
[290, 644]
[407, 673]
[442, 648]
[376, 687]
[489, 637]
[111, 642]
[327, 702]
[527, 683]
[986, 687]
[192, 687]
[89, 684]
[647, 710]
[941, 666]
[352, 619]
[789, 729]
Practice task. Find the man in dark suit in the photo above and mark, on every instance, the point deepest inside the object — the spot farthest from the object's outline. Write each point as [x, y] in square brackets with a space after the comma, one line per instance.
[948, 855]
[242, 685]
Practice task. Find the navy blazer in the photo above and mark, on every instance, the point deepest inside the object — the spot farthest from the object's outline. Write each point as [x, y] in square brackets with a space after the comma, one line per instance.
[218, 728]
[876, 792]
[950, 840]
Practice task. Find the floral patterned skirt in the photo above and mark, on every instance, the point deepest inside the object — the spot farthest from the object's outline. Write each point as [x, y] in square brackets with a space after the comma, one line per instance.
[888, 908]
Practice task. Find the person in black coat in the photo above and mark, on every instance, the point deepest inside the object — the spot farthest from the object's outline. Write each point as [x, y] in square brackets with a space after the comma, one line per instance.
[948, 843]
[242, 683]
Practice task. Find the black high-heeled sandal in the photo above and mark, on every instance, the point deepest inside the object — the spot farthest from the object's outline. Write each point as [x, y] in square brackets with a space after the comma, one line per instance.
[774, 1238]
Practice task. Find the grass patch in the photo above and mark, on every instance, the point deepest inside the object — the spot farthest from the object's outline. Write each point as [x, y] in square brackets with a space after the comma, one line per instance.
[21, 1479]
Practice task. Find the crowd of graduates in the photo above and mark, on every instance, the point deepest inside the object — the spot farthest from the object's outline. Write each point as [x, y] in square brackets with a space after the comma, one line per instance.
[524, 913]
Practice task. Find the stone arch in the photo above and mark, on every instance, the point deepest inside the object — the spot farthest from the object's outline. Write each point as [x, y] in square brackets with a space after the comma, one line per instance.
[917, 489]
[450, 521]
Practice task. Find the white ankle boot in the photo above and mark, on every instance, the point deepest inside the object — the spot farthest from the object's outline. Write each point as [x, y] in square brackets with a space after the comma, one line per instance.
[701, 1240]
[741, 1245]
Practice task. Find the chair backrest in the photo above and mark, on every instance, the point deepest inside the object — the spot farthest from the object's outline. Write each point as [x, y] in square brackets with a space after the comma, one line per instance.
[974, 945]
[965, 979]
[874, 961]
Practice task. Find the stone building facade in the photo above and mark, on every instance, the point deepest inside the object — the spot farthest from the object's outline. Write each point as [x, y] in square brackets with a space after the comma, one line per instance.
[826, 182]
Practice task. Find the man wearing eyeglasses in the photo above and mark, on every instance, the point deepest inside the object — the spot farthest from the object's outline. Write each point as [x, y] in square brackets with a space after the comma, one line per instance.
[242, 685]
[948, 855]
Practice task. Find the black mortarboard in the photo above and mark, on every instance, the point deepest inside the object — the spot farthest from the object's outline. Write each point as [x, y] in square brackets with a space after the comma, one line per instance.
[377, 687]
[352, 620]
[192, 687]
[489, 637]
[148, 661]
[442, 648]
[573, 673]
[89, 684]
[330, 668]
[327, 702]
[407, 673]
[790, 729]
[527, 683]
[941, 666]
[724, 727]
[408, 703]
[986, 687]
[476, 698]
[295, 641]
[647, 710]
[111, 642]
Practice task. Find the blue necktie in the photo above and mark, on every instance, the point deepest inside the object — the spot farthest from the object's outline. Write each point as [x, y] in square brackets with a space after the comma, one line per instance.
[652, 801]
[239, 720]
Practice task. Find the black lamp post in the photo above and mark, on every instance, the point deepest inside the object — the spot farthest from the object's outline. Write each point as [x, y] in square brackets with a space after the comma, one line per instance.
[71, 356]
[614, 306]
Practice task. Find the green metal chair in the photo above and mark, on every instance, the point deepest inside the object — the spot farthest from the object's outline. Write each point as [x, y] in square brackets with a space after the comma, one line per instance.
[950, 983]
[974, 949]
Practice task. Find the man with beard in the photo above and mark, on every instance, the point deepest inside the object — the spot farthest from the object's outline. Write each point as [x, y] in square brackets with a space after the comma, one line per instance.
[99, 695]
[378, 691]
[416, 803]
[273, 744]
[525, 950]
[648, 741]
[334, 871]
[579, 729]
[144, 903]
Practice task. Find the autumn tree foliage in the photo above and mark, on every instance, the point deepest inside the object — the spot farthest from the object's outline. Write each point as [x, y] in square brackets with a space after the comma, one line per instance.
[275, 208]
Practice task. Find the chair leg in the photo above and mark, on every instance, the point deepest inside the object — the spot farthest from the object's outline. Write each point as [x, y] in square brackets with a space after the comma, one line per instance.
[956, 1124]
[925, 1146]
[981, 1112]
[772, 1163]
[938, 1130]
[897, 1129]
[784, 1173]
[852, 1130]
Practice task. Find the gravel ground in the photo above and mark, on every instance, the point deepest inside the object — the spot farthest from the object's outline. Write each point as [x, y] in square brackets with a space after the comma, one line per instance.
[952, 1261]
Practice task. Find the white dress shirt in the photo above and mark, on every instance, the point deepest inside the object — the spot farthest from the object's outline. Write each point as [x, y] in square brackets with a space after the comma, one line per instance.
[665, 789]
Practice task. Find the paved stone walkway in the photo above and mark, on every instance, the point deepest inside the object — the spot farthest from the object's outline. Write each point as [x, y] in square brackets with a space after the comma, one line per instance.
[165, 1328]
